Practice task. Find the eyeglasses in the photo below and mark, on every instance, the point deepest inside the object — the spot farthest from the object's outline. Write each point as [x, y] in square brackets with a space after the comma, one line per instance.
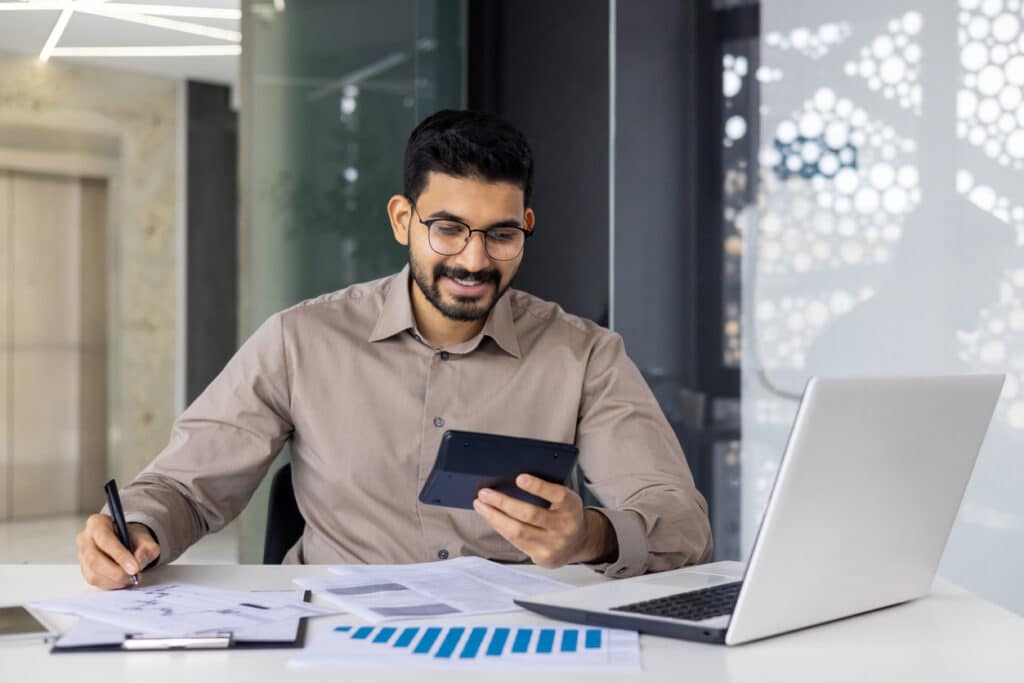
[448, 237]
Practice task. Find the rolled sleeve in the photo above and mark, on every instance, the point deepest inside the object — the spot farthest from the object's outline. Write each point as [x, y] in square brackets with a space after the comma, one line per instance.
[632, 540]
[634, 466]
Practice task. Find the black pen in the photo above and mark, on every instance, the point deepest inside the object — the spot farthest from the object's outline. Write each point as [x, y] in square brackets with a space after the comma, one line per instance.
[114, 503]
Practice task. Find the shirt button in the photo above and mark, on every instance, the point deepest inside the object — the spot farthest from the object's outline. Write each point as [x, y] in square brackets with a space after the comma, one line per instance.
[445, 355]
[439, 422]
[442, 554]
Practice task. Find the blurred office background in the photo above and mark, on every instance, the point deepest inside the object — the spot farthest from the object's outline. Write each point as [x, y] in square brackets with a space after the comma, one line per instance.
[749, 192]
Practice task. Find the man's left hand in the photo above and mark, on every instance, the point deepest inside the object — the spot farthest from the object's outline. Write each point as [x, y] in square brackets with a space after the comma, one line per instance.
[563, 534]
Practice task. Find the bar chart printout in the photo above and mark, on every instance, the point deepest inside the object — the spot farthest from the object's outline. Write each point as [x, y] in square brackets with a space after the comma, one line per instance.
[433, 645]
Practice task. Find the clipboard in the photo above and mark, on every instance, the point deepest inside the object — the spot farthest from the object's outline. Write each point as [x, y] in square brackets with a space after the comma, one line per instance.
[96, 637]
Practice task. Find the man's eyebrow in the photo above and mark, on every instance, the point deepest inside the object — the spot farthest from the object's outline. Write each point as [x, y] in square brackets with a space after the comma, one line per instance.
[449, 216]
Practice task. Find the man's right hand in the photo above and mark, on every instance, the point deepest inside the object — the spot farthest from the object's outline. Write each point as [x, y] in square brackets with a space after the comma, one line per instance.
[105, 562]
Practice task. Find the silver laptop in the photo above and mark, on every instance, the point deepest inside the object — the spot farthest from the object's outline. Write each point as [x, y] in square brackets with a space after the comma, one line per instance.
[862, 506]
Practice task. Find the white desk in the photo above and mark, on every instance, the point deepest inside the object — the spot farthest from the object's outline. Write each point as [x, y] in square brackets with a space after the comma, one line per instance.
[950, 636]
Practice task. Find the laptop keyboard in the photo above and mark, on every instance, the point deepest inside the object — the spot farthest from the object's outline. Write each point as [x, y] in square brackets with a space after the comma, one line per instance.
[692, 605]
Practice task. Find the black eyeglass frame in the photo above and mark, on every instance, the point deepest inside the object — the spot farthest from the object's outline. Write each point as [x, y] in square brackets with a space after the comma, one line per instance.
[430, 222]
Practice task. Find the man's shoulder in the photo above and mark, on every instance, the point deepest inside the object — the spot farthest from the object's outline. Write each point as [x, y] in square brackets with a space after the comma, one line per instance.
[360, 294]
[534, 314]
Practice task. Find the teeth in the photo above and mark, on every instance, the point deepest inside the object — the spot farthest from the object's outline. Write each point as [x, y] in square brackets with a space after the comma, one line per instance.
[466, 283]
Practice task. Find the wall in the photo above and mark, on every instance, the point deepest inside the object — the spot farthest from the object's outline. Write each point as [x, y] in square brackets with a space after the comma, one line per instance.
[544, 67]
[76, 113]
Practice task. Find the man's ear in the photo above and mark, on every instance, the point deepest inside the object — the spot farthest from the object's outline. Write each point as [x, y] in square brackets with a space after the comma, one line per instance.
[530, 219]
[399, 213]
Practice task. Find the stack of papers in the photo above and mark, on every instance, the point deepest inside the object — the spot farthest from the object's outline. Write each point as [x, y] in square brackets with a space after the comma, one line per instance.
[88, 633]
[433, 646]
[454, 588]
[178, 608]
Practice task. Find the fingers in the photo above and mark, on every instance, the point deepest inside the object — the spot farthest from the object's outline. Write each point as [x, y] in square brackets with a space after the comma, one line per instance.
[517, 533]
[105, 538]
[515, 508]
[550, 537]
[556, 494]
[98, 568]
[146, 548]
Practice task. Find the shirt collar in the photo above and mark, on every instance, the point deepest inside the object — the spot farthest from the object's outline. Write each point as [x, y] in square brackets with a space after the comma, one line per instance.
[396, 316]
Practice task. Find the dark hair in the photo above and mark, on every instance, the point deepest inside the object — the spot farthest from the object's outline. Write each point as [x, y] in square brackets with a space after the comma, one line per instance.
[467, 144]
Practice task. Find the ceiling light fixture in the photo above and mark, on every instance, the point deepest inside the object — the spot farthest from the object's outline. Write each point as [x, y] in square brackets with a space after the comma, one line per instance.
[137, 13]
[150, 51]
[55, 34]
[135, 8]
[114, 12]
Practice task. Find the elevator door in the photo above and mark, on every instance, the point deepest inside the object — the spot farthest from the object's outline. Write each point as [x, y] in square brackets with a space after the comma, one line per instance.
[53, 336]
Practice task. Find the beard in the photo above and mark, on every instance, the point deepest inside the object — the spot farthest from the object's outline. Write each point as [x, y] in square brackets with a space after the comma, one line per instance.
[464, 309]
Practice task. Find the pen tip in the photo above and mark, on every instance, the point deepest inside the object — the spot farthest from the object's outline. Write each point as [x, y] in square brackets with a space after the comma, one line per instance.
[135, 580]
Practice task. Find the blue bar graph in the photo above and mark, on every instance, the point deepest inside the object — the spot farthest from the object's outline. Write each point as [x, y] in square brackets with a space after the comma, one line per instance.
[497, 644]
[467, 643]
[522, 640]
[427, 641]
[483, 647]
[476, 637]
[406, 638]
[546, 641]
[449, 642]
[384, 635]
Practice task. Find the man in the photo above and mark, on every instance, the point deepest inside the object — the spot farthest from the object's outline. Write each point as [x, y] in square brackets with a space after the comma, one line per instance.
[365, 381]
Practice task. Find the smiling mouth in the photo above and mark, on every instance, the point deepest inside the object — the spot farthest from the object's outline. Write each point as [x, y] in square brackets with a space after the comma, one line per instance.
[467, 286]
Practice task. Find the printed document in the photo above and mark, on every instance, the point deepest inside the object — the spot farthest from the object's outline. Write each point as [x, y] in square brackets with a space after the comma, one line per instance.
[458, 587]
[182, 608]
[89, 633]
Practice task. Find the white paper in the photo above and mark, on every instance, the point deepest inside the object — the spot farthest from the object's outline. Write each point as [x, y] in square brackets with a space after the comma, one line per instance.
[473, 646]
[178, 608]
[458, 587]
[86, 632]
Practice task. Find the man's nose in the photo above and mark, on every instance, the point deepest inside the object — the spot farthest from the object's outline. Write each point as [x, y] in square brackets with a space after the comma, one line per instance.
[474, 257]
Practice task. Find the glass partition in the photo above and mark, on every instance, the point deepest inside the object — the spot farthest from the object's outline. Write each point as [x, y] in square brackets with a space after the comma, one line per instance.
[886, 233]
[330, 93]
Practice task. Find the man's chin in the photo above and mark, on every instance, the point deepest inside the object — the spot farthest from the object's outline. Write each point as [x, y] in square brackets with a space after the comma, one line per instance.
[467, 309]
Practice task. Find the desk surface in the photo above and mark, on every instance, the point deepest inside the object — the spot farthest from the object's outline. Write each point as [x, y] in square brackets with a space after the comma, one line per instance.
[951, 635]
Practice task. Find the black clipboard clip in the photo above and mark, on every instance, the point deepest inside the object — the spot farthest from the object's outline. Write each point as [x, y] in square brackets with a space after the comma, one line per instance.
[192, 641]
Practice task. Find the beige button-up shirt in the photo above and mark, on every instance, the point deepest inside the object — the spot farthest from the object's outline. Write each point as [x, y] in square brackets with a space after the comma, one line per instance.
[364, 400]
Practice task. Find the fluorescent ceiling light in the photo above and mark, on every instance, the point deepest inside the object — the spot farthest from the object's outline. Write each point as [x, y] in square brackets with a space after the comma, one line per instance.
[114, 12]
[150, 51]
[160, 10]
[55, 34]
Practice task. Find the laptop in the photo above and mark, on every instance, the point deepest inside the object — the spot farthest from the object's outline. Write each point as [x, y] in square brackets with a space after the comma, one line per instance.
[862, 506]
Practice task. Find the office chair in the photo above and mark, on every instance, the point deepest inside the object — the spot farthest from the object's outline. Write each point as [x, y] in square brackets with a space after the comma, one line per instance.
[284, 521]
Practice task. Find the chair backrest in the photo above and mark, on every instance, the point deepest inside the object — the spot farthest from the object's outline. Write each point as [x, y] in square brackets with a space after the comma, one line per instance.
[284, 521]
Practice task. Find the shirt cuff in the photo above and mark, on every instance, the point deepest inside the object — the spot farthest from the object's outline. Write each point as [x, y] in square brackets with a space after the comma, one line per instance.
[632, 541]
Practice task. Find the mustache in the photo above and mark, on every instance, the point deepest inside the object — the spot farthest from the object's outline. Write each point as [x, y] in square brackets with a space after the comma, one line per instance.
[487, 275]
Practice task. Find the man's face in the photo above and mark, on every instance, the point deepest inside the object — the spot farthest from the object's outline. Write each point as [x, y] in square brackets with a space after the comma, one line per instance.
[464, 286]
